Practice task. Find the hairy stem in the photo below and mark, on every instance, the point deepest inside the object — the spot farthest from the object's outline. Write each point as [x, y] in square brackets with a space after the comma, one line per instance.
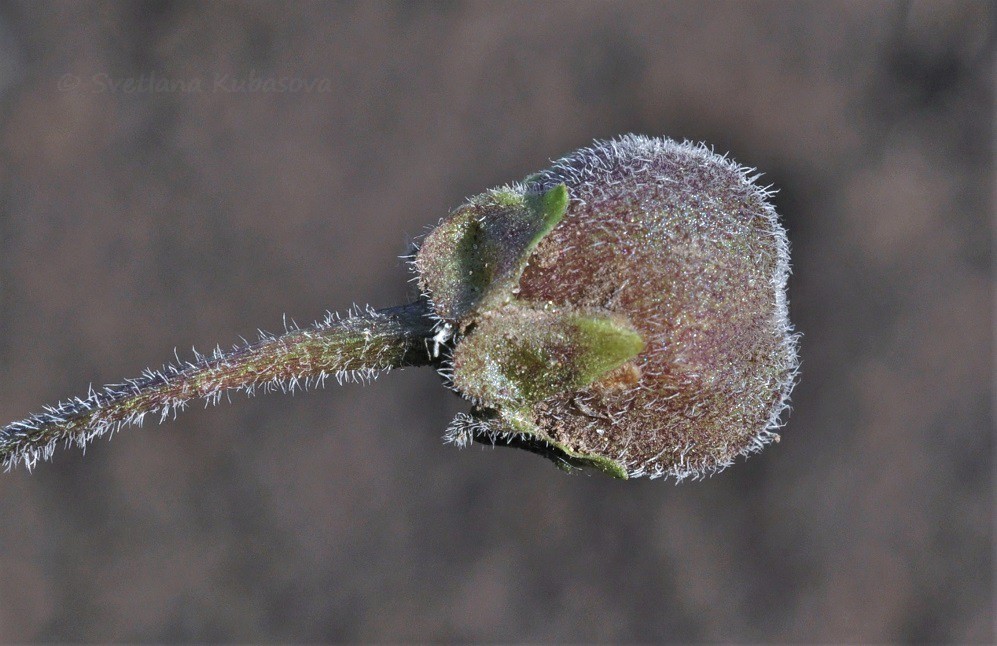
[356, 347]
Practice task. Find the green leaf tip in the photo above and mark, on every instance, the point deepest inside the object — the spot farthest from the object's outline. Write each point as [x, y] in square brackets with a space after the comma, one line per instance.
[605, 344]
[549, 207]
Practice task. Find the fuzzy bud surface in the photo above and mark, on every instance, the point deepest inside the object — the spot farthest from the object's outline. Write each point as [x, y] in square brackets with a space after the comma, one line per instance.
[624, 309]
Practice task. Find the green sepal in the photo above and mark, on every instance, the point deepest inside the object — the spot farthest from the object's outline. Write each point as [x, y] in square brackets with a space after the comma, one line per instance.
[522, 354]
[476, 255]
[521, 433]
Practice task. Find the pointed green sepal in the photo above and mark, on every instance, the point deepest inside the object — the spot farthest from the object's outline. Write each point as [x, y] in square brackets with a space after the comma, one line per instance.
[521, 355]
[477, 254]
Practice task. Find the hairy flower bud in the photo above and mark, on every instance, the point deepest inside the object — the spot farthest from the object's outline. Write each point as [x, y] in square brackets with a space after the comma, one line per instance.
[624, 309]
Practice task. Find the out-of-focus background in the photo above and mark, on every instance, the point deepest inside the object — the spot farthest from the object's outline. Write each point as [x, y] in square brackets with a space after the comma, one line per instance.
[136, 217]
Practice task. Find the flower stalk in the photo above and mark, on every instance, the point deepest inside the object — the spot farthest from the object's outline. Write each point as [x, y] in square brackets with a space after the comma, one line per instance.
[353, 348]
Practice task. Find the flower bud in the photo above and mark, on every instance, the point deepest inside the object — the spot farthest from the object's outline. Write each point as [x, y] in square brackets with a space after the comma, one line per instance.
[624, 309]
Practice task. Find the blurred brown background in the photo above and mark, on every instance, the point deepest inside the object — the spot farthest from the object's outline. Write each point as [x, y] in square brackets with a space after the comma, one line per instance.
[134, 221]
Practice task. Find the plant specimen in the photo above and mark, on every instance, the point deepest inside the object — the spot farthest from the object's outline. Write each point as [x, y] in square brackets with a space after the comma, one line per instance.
[624, 309]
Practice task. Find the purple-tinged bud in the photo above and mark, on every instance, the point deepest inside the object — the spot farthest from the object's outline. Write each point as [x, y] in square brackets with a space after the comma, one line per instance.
[624, 309]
